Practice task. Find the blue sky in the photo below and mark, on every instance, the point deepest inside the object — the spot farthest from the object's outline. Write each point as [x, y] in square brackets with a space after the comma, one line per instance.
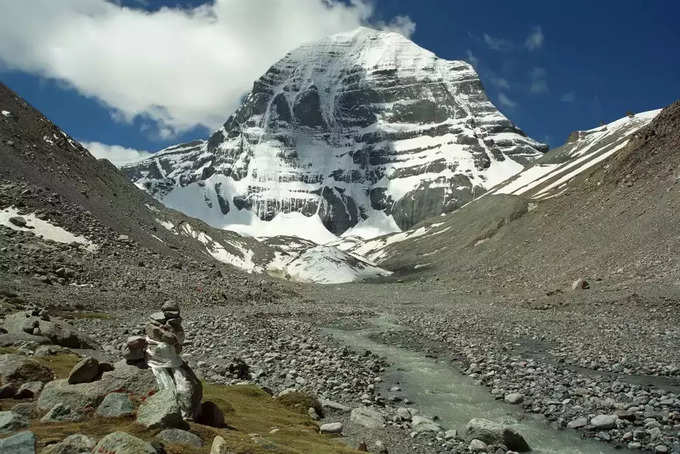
[551, 67]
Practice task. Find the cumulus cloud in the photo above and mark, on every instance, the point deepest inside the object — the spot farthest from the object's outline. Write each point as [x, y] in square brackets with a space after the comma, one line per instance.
[539, 84]
[115, 153]
[177, 67]
[498, 44]
[505, 101]
[535, 39]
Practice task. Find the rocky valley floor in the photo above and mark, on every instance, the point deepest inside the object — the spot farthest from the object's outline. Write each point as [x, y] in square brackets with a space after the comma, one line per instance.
[601, 363]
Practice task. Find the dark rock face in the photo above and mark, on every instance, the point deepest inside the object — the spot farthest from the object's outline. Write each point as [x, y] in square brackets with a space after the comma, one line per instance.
[358, 122]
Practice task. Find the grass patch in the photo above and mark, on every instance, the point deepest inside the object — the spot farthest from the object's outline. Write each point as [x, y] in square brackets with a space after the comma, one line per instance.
[300, 402]
[61, 364]
[250, 413]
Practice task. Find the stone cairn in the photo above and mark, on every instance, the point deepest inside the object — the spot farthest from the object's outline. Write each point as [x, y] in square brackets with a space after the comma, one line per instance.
[160, 350]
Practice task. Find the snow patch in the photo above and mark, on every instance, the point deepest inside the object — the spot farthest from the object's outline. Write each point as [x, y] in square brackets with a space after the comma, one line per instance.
[44, 229]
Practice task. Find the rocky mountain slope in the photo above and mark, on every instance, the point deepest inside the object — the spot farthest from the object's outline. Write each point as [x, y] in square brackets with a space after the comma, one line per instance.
[361, 133]
[602, 207]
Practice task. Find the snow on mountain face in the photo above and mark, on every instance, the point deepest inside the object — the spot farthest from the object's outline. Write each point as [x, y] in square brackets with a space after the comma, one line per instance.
[361, 133]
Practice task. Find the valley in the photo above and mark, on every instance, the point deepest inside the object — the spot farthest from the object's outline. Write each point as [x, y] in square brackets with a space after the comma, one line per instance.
[367, 255]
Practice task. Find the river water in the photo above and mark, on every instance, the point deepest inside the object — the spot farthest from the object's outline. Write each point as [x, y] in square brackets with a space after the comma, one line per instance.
[439, 389]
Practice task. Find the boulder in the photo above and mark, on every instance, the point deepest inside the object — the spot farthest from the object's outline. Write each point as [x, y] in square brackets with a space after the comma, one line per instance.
[577, 423]
[57, 331]
[331, 428]
[180, 437]
[61, 412]
[604, 422]
[116, 405]
[367, 417]
[422, 424]
[580, 284]
[211, 415]
[85, 371]
[134, 349]
[161, 411]
[219, 446]
[29, 390]
[124, 377]
[20, 369]
[18, 221]
[514, 398]
[26, 409]
[11, 422]
[21, 443]
[494, 433]
[123, 443]
[477, 446]
[73, 444]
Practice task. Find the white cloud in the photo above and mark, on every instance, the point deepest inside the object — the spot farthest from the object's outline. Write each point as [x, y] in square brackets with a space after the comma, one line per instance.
[176, 67]
[115, 153]
[539, 83]
[568, 97]
[500, 82]
[505, 101]
[474, 61]
[535, 39]
[498, 44]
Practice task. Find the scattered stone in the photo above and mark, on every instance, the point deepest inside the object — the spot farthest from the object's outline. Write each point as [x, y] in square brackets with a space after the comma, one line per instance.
[451, 434]
[180, 437]
[85, 371]
[219, 446]
[422, 424]
[61, 412]
[161, 411]
[577, 423]
[335, 406]
[494, 433]
[600, 422]
[580, 284]
[331, 428]
[57, 331]
[477, 446]
[21, 443]
[116, 405]
[29, 390]
[73, 444]
[20, 369]
[18, 221]
[514, 398]
[367, 417]
[11, 422]
[123, 443]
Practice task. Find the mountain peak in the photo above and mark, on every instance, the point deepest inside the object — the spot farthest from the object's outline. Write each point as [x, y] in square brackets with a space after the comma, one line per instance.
[359, 133]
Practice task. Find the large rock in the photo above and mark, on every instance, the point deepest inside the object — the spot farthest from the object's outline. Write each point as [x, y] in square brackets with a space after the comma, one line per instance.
[123, 443]
[494, 433]
[21, 369]
[124, 377]
[11, 422]
[422, 424]
[73, 444]
[61, 412]
[21, 443]
[161, 411]
[180, 437]
[85, 371]
[116, 405]
[57, 331]
[211, 415]
[29, 390]
[219, 446]
[331, 428]
[367, 417]
[604, 422]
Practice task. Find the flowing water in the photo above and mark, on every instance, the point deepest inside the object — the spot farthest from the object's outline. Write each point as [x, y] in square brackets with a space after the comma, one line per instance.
[439, 389]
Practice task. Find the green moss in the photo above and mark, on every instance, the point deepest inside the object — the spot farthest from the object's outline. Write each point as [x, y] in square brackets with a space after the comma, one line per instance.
[251, 416]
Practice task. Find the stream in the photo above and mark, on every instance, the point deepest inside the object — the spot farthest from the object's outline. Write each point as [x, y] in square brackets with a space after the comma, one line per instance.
[439, 389]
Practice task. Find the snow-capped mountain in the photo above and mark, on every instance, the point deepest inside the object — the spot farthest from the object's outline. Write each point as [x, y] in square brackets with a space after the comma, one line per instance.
[361, 133]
